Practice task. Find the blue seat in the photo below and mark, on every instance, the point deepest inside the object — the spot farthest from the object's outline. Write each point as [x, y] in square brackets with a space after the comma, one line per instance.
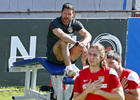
[68, 80]
[53, 69]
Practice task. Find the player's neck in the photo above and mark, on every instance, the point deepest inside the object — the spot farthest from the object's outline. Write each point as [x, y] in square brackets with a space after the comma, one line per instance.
[65, 23]
[119, 71]
[94, 69]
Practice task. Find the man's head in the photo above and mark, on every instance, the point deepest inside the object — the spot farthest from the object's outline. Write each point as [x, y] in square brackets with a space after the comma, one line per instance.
[68, 6]
[96, 55]
[67, 13]
[113, 59]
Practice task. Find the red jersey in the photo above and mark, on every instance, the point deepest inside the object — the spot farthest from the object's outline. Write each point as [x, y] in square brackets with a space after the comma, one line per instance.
[108, 76]
[133, 79]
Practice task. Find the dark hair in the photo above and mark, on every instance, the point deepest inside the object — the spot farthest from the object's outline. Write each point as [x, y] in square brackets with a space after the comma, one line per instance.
[114, 55]
[102, 52]
[68, 6]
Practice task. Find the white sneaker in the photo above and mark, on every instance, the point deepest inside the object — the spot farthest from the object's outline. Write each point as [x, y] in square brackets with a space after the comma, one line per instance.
[70, 73]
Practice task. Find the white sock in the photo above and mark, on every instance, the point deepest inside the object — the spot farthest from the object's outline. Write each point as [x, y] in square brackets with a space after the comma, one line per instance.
[69, 67]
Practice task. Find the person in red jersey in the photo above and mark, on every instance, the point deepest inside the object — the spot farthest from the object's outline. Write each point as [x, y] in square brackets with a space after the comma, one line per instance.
[129, 79]
[97, 82]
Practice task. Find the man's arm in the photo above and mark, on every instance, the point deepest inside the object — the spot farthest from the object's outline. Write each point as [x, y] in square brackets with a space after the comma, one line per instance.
[133, 95]
[117, 95]
[86, 42]
[66, 38]
[63, 36]
[80, 96]
[87, 36]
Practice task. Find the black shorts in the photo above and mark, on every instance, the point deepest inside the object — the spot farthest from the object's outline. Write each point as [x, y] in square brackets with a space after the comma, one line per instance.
[52, 58]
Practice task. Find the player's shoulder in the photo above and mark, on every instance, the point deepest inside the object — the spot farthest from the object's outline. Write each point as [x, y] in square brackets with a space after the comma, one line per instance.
[83, 71]
[107, 69]
[132, 75]
[128, 70]
[111, 71]
[75, 21]
[56, 20]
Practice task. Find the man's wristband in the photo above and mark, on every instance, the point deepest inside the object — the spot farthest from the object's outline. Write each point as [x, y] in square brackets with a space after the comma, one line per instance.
[77, 43]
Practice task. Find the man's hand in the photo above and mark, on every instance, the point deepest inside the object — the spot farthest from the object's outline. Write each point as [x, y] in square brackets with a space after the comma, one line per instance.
[82, 47]
[124, 82]
[93, 86]
[83, 42]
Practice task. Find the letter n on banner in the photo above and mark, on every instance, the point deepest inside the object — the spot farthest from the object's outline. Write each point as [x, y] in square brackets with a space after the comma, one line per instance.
[16, 45]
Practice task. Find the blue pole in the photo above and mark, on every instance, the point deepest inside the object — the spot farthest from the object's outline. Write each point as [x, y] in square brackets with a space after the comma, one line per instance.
[124, 4]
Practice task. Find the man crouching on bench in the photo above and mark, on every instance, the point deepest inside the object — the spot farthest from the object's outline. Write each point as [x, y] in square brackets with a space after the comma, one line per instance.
[59, 37]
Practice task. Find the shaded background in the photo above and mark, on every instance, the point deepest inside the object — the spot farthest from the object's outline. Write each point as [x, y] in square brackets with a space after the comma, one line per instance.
[25, 28]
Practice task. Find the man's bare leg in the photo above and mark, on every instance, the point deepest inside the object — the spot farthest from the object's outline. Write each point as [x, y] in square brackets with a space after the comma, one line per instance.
[62, 53]
[76, 52]
[65, 53]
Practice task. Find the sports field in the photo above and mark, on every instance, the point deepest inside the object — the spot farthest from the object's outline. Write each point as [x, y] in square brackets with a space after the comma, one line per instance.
[6, 93]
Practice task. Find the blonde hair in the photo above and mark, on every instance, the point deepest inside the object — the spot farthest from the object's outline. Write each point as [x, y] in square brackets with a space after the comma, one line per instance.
[101, 50]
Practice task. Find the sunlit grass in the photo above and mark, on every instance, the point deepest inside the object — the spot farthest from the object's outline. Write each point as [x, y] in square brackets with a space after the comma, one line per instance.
[6, 93]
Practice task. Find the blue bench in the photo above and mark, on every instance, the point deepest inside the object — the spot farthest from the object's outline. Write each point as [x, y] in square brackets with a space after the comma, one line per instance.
[32, 65]
[53, 70]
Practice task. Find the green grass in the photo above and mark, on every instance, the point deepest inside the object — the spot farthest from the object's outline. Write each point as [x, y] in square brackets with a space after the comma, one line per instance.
[6, 93]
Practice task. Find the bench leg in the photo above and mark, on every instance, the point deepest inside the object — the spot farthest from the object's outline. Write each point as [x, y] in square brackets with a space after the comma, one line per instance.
[59, 88]
[34, 79]
[27, 81]
[68, 92]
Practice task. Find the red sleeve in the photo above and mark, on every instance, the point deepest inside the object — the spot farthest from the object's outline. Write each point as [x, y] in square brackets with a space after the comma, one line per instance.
[133, 85]
[77, 85]
[115, 82]
[133, 81]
